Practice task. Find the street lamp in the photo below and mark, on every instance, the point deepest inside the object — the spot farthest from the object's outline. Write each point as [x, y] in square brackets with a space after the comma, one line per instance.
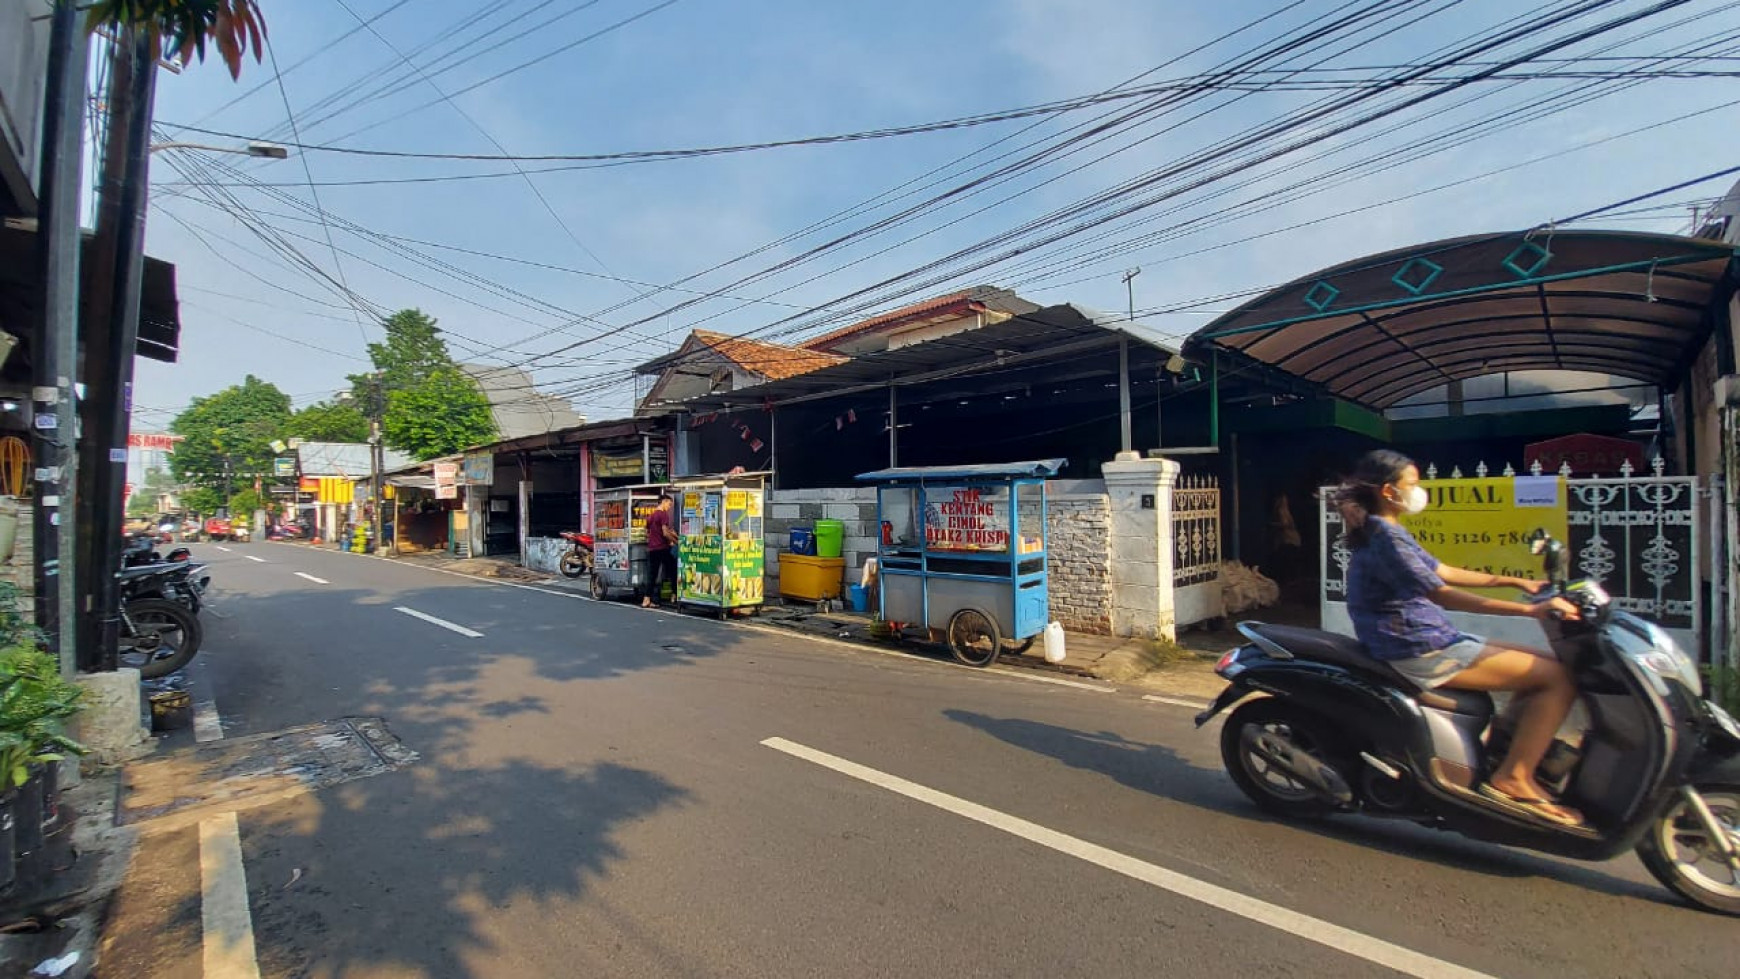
[266, 151]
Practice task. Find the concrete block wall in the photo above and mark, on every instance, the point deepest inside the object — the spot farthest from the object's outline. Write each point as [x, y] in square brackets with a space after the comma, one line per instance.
[21, 569]
[854, 506]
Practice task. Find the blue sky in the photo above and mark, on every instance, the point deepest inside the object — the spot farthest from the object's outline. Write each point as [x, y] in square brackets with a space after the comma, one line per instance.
[707, 72]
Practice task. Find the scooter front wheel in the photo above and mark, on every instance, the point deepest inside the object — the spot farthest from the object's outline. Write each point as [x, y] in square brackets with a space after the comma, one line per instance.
[1679, 852]
[1266, 783]
[575, 563]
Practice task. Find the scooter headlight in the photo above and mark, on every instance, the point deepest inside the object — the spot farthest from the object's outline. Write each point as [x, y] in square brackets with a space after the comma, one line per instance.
[1667, 660]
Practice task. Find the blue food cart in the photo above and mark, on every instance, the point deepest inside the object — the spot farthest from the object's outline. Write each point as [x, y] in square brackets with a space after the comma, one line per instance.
[963, 553]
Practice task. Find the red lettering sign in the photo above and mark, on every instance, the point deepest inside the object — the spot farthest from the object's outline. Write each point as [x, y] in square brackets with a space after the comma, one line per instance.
[151, 441]
[1587, 455]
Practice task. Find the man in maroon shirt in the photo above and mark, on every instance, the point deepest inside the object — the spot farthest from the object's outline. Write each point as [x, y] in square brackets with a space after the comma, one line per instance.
[661, 560]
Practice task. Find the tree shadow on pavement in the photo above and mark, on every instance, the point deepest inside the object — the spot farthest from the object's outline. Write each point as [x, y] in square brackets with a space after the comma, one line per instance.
[1160, 771]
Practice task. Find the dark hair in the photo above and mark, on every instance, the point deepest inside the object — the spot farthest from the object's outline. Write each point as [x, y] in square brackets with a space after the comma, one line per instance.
[1361, 494]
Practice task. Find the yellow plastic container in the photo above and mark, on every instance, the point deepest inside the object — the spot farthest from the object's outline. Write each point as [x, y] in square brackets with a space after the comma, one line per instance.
[810, 579]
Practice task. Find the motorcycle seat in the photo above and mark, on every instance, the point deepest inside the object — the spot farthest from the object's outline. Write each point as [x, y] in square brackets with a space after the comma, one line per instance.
[1327, 647]
[574, 535]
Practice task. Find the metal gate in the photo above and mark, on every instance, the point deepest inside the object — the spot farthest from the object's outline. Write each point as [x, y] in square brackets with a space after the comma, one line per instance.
[1196, 550]
[1639, 536]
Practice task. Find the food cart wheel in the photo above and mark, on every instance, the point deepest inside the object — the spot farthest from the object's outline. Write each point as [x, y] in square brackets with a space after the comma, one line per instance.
[974, 638]
[600, 590]
[1021, 647]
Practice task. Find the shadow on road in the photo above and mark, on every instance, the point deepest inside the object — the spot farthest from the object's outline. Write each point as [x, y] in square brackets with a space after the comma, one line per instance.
[1158, 770]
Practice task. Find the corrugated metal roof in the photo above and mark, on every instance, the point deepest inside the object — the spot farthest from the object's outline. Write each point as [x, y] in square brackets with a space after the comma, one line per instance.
[1036, 469]
[347, 459]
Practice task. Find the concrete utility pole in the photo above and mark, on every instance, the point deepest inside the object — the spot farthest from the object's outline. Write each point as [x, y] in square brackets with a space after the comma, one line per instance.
[377, 408]
[112, 340]
[1125, 440]
[54, 343]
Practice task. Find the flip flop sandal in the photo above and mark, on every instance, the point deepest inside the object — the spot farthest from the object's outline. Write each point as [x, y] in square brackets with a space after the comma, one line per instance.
[1545, 809]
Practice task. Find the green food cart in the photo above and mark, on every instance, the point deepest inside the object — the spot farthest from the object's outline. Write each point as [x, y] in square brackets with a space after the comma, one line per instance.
[721, 556]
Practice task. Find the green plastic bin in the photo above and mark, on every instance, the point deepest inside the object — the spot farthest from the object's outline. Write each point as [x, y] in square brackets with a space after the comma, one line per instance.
[830, 537]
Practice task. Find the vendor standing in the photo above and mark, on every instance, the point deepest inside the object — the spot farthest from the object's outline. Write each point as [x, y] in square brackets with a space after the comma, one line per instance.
[661, 559]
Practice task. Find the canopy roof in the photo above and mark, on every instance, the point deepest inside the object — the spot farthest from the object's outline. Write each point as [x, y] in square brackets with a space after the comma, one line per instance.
[1380, 329]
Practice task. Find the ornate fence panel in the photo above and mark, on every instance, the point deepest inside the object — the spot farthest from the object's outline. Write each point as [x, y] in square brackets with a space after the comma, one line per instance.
[1638, 535]
[1195, 531]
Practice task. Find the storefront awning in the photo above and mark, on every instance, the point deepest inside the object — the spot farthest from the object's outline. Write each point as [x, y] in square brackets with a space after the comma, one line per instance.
[20, 293]
[1383, 328]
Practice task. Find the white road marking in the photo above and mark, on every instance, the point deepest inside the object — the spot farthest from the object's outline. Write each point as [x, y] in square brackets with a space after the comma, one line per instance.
[259, 559]
[1059, 681]
[222, 548]
[226, 922]
[207, 726]
[1176, 702]
[1357, 944]
[443, 623]
[318, 581]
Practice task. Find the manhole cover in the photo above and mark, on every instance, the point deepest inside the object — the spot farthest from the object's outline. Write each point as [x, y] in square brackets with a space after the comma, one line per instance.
[242, 773]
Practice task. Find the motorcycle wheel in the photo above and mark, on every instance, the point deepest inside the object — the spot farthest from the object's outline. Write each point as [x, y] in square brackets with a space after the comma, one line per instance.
[575, 563]
[1267, 786]
[159, 637]
[1677, 851]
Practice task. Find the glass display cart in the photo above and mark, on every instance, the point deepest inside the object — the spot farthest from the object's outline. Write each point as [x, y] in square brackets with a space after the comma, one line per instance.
[619, 538]
[720, 555]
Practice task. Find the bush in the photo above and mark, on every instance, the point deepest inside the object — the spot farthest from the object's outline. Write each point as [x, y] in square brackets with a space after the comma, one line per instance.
[35, 700]
[1722, 685]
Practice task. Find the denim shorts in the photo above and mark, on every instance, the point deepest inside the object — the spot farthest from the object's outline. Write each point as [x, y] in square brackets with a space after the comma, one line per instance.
[1433, 669]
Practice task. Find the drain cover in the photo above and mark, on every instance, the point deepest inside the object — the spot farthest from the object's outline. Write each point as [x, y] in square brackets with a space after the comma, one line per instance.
[242, 773]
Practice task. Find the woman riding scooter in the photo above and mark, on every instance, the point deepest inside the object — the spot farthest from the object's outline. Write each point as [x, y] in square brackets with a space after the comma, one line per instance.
[1397, 595]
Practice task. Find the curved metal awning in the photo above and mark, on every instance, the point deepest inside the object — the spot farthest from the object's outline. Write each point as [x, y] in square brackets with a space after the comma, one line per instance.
[1380, 329]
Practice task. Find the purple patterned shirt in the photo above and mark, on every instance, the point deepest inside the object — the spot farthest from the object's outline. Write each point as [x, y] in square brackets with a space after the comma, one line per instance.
[1388, 581]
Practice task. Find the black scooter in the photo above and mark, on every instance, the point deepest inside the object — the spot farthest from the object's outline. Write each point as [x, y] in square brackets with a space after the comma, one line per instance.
[1657, 769]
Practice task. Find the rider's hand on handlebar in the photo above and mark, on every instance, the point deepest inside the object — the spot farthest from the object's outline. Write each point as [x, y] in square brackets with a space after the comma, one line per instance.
[1529, 585]
[1557, 609]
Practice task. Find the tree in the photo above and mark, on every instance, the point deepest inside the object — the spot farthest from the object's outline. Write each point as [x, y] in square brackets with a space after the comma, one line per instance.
[143, 503]
[439, 416]
[244, 503]
[327, 421]
[228, 433]
[180, 29]
[429, 407]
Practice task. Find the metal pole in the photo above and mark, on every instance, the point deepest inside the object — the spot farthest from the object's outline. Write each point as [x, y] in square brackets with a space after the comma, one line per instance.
[54, 344]
[376, 409]
[1124, 392]
[115, 315]
[1213, 396]
[893, 427]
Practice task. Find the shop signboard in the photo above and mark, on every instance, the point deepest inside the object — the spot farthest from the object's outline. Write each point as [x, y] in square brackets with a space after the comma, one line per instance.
[447, 480]
[480, 469]
[284, 466]
[1485, 524]
[659, 461]
[961, 518]
[152, 441]
[616, 463]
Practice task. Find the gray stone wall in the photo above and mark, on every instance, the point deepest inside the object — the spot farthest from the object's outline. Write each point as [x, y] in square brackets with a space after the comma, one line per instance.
[1079, 532]
[21, 569]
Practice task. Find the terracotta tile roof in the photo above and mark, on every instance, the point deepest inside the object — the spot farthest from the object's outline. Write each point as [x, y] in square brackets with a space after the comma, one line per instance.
[771, 360]
[929, 306]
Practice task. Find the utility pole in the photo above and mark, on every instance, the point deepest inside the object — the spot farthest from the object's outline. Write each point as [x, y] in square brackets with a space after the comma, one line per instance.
[1124, 365]
[112, 339]
[54, 343]
[376, 410]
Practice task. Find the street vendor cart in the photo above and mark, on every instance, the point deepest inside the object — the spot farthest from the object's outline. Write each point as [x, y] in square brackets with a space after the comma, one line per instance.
[963, 553]
[720, 553]
[619, 538]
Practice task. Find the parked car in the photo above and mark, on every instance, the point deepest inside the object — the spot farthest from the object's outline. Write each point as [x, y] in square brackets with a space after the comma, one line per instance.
[218, 527]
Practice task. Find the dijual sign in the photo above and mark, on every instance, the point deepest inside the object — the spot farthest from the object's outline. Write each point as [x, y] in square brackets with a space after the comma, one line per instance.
[1485, 524]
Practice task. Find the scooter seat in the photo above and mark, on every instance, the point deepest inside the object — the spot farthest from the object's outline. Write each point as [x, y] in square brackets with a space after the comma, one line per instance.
[1327, 647]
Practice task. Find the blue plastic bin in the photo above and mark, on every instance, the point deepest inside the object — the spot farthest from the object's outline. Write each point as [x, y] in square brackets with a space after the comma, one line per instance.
[803, 541]
[859, 597]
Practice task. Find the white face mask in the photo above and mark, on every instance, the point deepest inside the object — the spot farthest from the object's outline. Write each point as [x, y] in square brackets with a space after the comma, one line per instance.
[1415, 499]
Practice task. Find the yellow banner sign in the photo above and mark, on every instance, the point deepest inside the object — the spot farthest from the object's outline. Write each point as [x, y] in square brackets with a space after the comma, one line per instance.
[1485, 524]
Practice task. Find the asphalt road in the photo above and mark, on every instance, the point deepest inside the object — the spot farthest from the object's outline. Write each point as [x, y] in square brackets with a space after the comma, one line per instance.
[604, 791]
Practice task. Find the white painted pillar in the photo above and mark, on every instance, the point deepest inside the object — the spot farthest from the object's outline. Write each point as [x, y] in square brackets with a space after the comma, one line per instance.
[1141, 546]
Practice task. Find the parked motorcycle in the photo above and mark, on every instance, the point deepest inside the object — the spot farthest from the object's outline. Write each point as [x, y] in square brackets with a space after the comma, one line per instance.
[160, 628]
[1657, 769]
[577, 560]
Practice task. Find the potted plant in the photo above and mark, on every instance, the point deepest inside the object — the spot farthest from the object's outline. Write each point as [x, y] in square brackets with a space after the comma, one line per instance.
[35, 702]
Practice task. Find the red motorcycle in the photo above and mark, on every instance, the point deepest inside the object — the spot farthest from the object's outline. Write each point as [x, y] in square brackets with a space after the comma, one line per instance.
[577, 560]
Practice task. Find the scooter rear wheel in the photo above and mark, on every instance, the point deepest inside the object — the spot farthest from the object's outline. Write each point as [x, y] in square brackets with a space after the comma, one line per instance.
[1677, 851]
[1265, 784]
[575, 563]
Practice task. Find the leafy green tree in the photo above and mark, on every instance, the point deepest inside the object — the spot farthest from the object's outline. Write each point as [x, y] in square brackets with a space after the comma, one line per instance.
[226, 434]
[429, 407]
[441, 415]
[203, 500]
[327, 421]
[180, 29]
[244, 503]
